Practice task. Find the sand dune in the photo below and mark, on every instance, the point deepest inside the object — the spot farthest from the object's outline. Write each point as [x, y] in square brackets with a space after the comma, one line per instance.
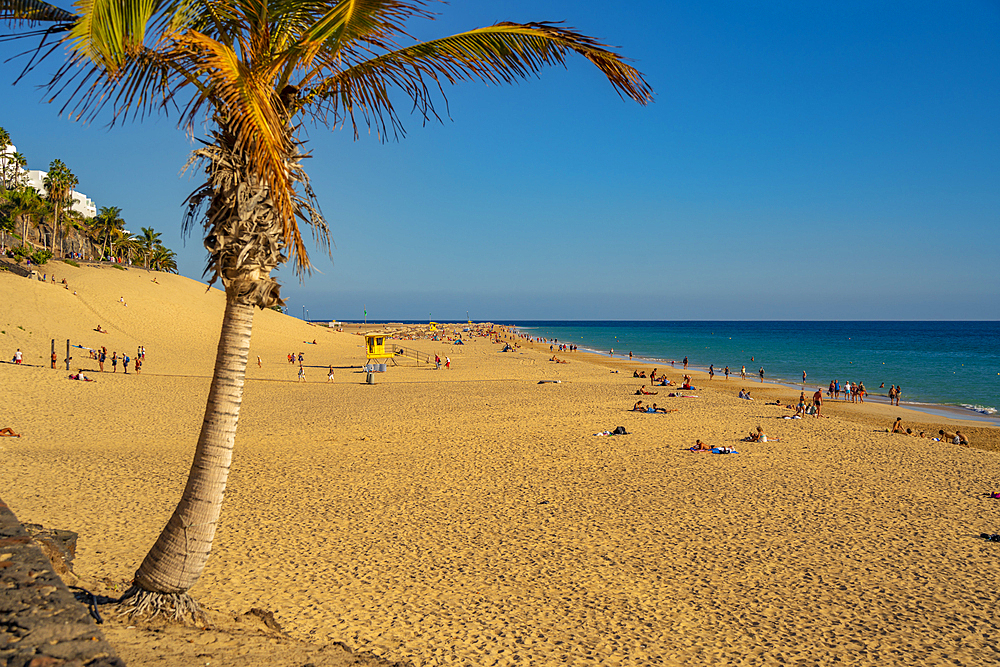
[471, 516]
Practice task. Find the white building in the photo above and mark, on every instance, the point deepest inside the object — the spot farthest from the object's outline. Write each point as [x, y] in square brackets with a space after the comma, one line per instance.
[82, 204]
[35, 178]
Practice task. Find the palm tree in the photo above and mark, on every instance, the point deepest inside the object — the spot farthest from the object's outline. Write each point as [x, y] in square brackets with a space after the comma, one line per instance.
[107, 221]
[128, 245]
[12, 174]
[23, 205]
[59, 184]
[148, 240]
[257, 69]
[163, 259]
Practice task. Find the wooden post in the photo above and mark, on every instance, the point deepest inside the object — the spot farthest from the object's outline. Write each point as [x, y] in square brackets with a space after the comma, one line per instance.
[67, 354]
[53, 355]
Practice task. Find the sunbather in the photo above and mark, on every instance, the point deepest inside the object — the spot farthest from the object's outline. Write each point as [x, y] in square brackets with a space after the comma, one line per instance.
[7, 432]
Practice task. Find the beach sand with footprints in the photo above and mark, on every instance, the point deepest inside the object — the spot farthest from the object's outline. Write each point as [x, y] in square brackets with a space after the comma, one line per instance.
[471, 516]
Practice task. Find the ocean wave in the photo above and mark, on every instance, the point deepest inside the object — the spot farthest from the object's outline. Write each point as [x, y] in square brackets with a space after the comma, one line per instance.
[980, 409]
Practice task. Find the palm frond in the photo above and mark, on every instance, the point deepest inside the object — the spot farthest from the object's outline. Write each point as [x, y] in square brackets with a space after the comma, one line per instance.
[30, 12]
[498, 54]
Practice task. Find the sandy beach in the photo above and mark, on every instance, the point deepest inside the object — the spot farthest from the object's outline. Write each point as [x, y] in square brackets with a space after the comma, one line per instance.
[471, 516]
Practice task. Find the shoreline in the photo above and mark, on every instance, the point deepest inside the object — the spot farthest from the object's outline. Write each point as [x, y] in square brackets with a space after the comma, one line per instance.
[947, 410]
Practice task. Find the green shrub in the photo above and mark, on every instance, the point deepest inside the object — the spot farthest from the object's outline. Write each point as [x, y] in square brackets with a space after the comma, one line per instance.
[119, 267]
[72, 262]
[40, 257]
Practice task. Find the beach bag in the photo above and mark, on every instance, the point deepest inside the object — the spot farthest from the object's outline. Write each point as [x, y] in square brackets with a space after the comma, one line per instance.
[619, 430]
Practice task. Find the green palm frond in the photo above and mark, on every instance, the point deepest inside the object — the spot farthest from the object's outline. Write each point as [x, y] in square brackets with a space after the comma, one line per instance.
[499, 54]
[30, 12]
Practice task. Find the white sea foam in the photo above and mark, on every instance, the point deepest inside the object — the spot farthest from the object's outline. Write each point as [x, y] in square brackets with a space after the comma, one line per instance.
[980, 409]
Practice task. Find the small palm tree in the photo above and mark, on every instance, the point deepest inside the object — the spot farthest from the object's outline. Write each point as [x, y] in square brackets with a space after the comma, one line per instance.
[59, 183]
[256, 69]
[24, 206]
[148, 240]
[106, 223]
[128, 246]
[163, 259]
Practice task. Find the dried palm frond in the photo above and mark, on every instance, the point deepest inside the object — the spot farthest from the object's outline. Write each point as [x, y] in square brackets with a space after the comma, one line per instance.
[243, 227]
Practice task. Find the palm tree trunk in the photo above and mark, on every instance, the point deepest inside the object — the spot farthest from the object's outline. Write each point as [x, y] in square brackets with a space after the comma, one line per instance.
[179, 556]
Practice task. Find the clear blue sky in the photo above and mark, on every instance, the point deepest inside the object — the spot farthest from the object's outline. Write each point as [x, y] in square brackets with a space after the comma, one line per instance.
[801, 161]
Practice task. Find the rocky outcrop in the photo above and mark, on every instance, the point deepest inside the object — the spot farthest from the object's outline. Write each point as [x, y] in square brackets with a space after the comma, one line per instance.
[41, 622]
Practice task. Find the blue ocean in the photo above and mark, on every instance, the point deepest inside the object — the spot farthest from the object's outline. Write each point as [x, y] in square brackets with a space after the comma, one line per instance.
[954, 364]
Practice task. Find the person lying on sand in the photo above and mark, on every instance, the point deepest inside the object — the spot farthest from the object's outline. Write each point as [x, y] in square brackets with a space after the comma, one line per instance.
[661, 410]
[7, 432]
[81, 376]
[641, 391]
[100, 330]
[700, 446]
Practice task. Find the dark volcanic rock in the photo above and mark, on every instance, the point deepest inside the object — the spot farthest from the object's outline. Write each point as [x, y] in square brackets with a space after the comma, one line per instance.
[41, 623]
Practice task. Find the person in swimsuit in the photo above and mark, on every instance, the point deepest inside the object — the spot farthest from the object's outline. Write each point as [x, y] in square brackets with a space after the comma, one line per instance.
[897, 426]
[114, 362]
[700, 446]
[9, 433]
[818, 400]
[762, 374]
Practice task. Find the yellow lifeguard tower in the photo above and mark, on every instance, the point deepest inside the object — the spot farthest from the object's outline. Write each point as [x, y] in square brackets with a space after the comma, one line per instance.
[434, 326]
[375, 342]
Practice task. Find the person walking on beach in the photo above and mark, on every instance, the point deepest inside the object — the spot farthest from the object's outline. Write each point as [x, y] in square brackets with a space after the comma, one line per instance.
[447, 363]
[726, 371]
[258, 361]
[762, 374]
[743, 372]
[54, 358]
[125, 360]
[437, 362]
[803, 377]
[897, 395]
[101, 357]
[114, 362]
[818, 400]
[329, 377]
[711, 371]
[18, 357]
[685, 362]
[302, 374]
